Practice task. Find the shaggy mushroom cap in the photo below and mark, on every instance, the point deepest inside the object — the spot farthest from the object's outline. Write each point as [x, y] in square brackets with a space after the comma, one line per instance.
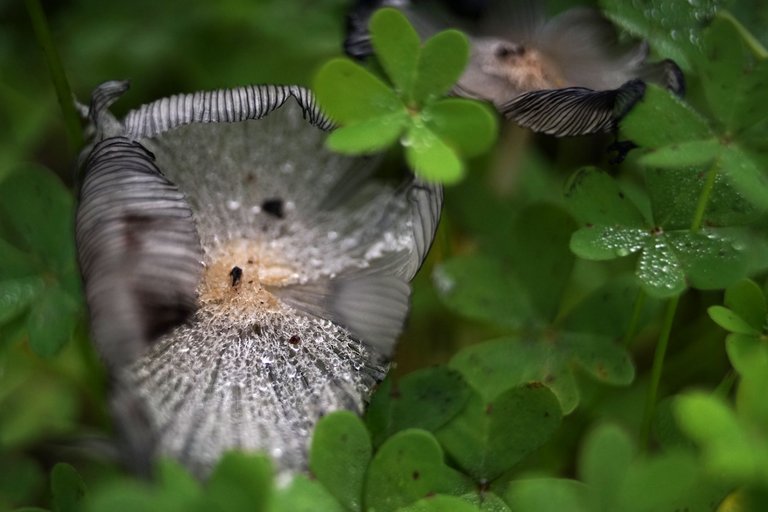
[242, 280]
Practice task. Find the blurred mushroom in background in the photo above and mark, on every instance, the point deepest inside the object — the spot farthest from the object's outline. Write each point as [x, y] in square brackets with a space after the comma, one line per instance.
[565, 76]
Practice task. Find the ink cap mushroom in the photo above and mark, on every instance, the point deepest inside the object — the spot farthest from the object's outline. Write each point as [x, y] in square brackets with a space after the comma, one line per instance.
[242, 280]
[564, 76]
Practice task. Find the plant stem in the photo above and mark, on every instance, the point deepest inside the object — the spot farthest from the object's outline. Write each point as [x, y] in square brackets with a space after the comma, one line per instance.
[637, 310]
[669, 316]
[59, 79]
[758, 50]
[656, 371]
[701, 206]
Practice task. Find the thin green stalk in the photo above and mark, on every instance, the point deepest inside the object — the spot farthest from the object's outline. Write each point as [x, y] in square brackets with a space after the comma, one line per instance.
[757, 49]
[706, 192]
[59, 79]
[669, 316]
[634, 322]
[657, 370]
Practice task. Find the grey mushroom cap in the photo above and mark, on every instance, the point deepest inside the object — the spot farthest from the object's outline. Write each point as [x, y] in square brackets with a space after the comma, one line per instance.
[242, 280]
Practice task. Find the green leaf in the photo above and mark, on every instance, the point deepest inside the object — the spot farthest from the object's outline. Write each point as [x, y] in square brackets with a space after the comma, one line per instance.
[730, 321]
[607, 453]
[662, 119]
[747, 174]
[549, 495]
[496, 366]
[350, 94]
[176, 488]
[16, 263]
[426, 399]
[305, 495]
[440, 503]
[733, 80]
[51, 321]
[608, 310]
[442, 61]
[746, 299]
[683, 154]
[599, 242]
[67, 488]
[600, 357]
[16, 295]
[407, 468]
[743, 350]
[727, 448]
[430, 157]
[489, 437]
[659, 269]
[240, 482]
[369, 135]
[671, 28]
[36, 210]
[540, 238]
[671, 476]
[397, 46]
[720, 65]
[467, 126]
[593, 197]
[710, 261]
[751, 406]
[479, 287]
[125, 496]
[747, 114]
[339, 456]
[675, 196]
[706, 418]
[487, 501]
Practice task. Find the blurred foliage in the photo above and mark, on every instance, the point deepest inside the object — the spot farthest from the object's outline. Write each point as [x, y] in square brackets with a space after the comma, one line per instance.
[526, 378]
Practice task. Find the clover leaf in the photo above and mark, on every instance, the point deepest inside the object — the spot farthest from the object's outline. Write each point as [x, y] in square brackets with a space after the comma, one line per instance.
[670, 258]
[339, 456]
[427, 399]
[436, 132]
[733, 139]
[489, 437]
[410, 466]
[67, 488]
[519, 291]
